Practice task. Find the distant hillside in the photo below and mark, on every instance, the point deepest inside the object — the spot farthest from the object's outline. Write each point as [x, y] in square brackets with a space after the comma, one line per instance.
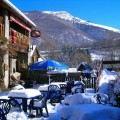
[60, 28]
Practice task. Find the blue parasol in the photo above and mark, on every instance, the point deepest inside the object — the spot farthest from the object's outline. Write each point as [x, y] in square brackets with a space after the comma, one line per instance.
[48, 65]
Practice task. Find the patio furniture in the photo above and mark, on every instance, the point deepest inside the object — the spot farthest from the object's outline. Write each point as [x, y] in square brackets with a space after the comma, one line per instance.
[78, 87]
[70, 84]
[78, 90]
[80, 98]
[117, 97]
[63, 89]
[38, 104]
[15, 103]
[43, 89]
[2, 115]
[101, 98]
[54, 94]
[4, 108]
[24, 94]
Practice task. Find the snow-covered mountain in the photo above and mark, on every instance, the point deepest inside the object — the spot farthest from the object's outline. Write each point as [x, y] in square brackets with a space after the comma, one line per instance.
[61, 28]
[66, 16]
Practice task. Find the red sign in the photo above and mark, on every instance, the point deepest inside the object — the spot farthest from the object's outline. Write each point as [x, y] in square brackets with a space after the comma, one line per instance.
[35, 33]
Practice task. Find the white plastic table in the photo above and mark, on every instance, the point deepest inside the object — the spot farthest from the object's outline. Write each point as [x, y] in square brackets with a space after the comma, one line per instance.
[24, 94]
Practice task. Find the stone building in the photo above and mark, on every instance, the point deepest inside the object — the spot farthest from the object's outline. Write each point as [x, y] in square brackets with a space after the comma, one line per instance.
[16, 28]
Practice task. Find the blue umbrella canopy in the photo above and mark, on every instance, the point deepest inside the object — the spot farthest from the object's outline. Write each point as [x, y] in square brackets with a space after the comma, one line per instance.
[48, 65]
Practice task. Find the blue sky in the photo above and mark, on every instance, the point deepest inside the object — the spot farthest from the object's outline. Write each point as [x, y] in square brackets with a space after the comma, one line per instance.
[104, 12]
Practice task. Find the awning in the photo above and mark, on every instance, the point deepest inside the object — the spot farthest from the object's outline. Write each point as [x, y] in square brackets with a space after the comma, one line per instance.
[19, 23]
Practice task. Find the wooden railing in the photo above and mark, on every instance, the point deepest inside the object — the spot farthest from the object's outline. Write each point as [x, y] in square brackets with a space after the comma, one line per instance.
[1, 29]
[42, 78]
[21, 39]
[88, 82]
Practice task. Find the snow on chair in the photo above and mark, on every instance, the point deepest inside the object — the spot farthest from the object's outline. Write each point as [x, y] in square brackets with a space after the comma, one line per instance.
[55, 95]
[63, 89]
[101, 98]
[78, 90]
[38, 104]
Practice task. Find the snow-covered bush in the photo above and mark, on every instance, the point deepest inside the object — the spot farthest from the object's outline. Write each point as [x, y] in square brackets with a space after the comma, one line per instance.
[117, 91]
[117, 86]
[112, 89]
[110, 84]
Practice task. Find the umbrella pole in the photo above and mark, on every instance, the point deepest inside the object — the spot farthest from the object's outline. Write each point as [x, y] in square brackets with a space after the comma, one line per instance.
[49, 78]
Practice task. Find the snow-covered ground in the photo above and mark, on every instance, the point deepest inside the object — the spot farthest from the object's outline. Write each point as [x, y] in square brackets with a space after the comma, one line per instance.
[86, 110]
[81, 106]
[90, 112]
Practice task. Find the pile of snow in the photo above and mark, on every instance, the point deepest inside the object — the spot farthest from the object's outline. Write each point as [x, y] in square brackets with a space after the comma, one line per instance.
[105, 78]
[17, 115]
[75, 112]
[95, 56]
[79, 98]
[108, 85]
[90, 112]
[80, 106]
[79, 110]
[18, 87]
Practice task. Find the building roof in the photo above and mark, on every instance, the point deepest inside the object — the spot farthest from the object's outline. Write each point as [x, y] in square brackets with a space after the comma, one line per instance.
[84, 66]
[15, 10]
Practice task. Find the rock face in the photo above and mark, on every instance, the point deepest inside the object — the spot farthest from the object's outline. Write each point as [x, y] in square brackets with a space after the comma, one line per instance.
[60, 28]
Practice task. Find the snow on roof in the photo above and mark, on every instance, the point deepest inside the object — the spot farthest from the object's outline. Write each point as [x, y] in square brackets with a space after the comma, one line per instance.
[106, 76]
[84, 66]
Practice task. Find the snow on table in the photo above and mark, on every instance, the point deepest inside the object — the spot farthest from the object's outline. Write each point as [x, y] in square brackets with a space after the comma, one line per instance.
[4, 97]
[24, 93]
[90, 112]
[58, 83]
[43, 87]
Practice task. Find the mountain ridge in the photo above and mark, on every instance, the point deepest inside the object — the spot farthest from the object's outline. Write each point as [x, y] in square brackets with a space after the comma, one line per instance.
[59, 30]
[67, 16]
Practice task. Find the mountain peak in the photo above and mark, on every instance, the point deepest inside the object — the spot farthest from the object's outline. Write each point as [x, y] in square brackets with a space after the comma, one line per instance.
[61, 14]
[66, 16]
[60, 28]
